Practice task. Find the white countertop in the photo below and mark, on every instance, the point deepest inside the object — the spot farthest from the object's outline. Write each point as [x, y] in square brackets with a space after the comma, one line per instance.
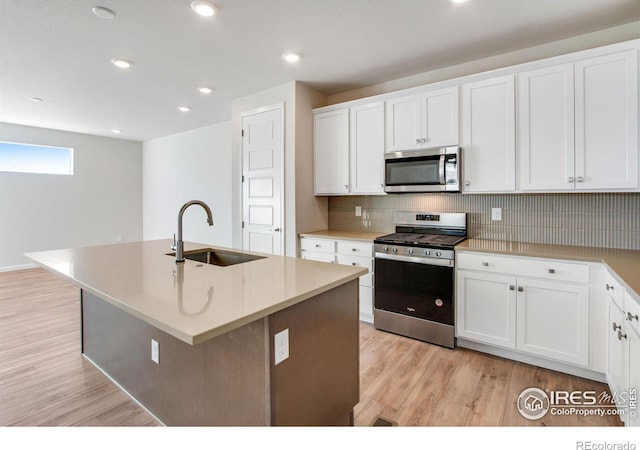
[192, 301]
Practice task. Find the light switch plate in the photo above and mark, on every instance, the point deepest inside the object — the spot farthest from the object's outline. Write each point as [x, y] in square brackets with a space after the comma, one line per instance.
[496, 213]
[155, 351]
[281, 346]
[358, 211]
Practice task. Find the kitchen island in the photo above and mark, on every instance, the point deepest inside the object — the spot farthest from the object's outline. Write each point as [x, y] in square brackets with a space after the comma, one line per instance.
[215, 328]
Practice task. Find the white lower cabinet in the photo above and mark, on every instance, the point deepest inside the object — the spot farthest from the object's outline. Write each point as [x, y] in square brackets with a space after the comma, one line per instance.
[542, 317]
[623, 365]
[351, 253]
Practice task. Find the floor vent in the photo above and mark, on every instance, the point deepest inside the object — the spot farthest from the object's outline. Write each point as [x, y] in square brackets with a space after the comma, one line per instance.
[380, 422]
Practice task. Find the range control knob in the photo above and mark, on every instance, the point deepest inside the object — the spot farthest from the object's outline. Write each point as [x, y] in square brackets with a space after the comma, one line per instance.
[395, 249]
[438, 254]
[427, 252]
[386, 249]
[410, 250]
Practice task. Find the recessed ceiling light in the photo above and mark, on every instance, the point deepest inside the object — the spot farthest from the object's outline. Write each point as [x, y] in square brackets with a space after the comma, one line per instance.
[103, 12]
[205, 90]
[457, 1]
[291, 57]
[122, 63]
[203, 8]
[116, 131]
[184, 108]
[36, 99]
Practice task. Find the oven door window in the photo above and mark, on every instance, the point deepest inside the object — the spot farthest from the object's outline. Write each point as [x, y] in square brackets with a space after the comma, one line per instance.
[412, 171]
[419, 290]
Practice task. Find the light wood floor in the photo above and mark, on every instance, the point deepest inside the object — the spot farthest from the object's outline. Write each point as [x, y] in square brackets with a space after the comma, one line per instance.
[44, 380]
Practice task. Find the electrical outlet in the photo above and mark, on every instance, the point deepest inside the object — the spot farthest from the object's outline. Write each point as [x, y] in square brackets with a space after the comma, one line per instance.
[358, 211]
[119, 238]
[155, 351]
[496, 213]
[281, 346]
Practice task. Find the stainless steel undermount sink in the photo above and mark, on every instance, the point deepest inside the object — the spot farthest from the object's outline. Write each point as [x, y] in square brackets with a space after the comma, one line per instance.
[218, 257]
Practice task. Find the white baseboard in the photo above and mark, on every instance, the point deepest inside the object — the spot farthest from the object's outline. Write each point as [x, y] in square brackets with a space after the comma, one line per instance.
[20, 267]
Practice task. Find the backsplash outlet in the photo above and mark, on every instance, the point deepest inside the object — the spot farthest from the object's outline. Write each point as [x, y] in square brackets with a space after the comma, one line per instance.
[594, 220]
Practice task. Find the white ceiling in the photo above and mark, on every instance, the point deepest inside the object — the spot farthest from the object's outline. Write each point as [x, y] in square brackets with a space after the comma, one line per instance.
[60, 51]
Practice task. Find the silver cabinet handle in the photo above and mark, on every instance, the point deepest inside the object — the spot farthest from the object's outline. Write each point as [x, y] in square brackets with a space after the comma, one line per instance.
[278, 229]
[616, 327]
[381, 185]
[621, 336]
[512, 287]
[570, 180]
[485, 264]
[354, 249]
[520, 289]
[579, 179]
[317, 245]
[551, 270]
[417, 141]
[630, 316]
[353, 264]
[609, 287]
[423, 140]
[346, 186]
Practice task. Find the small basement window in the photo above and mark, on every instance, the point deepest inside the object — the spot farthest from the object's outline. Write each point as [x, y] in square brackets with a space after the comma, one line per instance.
[28, 158]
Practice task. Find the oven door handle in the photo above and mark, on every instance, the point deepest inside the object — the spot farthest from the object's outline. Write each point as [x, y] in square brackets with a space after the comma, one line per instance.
[416, 259]
[441, 170]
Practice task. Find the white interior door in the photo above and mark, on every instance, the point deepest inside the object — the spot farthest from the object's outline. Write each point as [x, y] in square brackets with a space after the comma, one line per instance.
[262, 192]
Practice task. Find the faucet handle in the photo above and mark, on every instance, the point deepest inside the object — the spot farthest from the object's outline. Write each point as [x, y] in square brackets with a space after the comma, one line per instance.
[174, 246]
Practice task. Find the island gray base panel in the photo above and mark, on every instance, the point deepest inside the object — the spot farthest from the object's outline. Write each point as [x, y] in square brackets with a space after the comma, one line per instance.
[231, 379]
[319, 384]
[223, 381]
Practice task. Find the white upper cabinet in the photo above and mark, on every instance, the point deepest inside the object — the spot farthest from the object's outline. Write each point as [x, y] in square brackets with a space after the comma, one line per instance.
[424, 120]
[607, 122]
[349, 150]
[331, 152]
[545, 128]
[488, 135]
[367, 148]
[578, 125]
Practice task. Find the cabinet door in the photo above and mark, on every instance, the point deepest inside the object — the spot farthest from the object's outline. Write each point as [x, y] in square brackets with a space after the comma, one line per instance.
[367, 148]
[553, 320]
[607, 122]
[403, 127]
[486, 308]
[618, 364]
[488, 135]
[440, 118]
[331, 152]
[545, 129]
[634, 377]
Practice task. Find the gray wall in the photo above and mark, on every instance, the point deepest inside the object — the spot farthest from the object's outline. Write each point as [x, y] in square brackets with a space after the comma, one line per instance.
[192, 165]
[597, 220]
[99, 202]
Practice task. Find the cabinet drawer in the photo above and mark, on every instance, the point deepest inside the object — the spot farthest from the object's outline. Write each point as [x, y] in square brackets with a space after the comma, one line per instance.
[318, 245]
[615, 290]
[632, 312]
[359, 261]
[324, 257]
[548, 269]
[355, 248]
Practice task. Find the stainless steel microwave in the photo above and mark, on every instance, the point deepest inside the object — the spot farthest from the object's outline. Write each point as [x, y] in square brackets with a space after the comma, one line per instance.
[429, 170]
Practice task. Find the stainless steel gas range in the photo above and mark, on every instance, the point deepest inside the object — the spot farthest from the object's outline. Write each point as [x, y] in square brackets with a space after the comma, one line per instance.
[414, 284]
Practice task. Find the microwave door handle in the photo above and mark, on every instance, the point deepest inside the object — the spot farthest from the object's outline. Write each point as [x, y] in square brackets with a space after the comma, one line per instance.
[441, 170]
